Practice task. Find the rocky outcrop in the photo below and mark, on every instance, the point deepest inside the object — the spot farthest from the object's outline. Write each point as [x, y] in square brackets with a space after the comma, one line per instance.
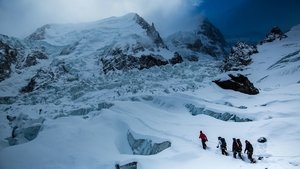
[29, 87]
[42, 77]
[18, 54]
[24, 128]
[145, 146]
[239, 57]
[221, 116]
[152, 33]
[148, 61]
[275, 33]
[8, 56]
[121, 61]
[32, 58]
[238, 83]
[176, 59]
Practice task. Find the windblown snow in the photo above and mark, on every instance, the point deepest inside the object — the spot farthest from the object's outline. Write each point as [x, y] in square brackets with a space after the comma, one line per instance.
[87, 120]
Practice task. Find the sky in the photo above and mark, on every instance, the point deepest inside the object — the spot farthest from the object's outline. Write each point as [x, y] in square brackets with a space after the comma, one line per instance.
[251, 17]
[233, 17]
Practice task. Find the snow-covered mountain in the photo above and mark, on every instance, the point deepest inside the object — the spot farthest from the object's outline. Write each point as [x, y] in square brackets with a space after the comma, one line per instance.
[58, 109]
[121, 43]
[205, 39]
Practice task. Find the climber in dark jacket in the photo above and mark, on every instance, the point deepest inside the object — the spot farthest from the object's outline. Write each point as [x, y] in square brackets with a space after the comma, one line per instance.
[240, 148]
[236, 147]
[249, 150]
[203, 139]
[222, 145]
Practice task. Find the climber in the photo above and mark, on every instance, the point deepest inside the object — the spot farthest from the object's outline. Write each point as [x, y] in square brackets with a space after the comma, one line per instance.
[240, 148]
[236, 148]
[203, 139]
[249, 150]
[222, 145]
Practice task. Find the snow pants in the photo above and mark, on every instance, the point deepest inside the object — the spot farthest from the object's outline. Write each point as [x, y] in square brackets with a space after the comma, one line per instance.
[250, 156]
[224, 152]
[203, 144]
[237, 152]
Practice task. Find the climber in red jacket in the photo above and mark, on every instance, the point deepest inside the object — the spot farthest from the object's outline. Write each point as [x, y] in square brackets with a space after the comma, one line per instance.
[203, 139]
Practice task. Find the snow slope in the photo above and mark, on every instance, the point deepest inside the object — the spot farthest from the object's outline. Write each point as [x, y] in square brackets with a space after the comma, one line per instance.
[80, 132]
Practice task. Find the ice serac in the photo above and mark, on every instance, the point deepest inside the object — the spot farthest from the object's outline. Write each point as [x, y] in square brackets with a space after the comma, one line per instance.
[145, 146]
[206, 39]
[226, 116]
[24, 128]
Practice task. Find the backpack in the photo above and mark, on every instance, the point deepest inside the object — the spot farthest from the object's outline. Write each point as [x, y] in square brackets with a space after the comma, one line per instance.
[223, 142]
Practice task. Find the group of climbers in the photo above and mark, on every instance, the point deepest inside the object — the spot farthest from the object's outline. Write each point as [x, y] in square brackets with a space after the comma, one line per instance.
[237, 146]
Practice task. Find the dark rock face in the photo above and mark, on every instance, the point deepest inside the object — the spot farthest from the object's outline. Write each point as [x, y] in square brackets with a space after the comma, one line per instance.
[238, 83]
[121, 61]
[151, 31]
[145, 146]
[148, 61]
[30, 86]
[124, 62]
[8, 56]
[275, 33]
[42, 77]
[239, 56]
[217, 42]
[13, 52]
[209, 30]
[176, 59]
[32, 58]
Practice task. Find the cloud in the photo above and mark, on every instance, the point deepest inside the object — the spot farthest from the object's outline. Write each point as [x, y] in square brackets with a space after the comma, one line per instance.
[21, 17]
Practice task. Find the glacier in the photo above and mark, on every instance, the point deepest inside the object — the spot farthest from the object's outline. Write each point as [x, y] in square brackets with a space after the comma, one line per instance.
[86, 118]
